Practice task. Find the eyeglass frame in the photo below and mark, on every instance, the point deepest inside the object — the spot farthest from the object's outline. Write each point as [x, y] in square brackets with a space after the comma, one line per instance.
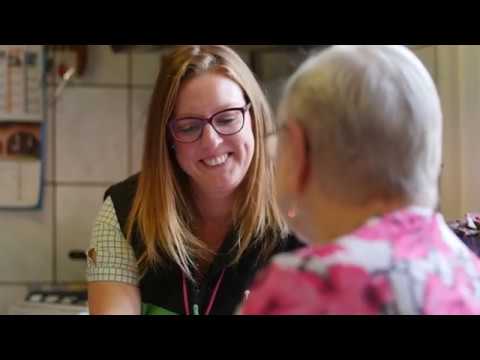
[209, 121]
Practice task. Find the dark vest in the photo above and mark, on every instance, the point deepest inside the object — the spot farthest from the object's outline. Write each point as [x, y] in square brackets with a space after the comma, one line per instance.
[162, 288]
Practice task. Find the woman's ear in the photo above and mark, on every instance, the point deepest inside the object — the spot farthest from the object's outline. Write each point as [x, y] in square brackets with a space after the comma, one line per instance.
[299, 156]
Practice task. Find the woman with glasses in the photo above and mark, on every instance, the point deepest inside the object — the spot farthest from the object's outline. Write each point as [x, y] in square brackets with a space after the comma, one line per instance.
[187, 235]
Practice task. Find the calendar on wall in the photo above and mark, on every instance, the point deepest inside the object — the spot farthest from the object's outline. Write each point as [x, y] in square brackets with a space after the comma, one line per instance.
[22, 120]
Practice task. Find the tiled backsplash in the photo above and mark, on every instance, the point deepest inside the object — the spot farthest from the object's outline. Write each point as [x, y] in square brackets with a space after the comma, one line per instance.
[26, 244]
[91, 135]
[139, 109]
[94, 138]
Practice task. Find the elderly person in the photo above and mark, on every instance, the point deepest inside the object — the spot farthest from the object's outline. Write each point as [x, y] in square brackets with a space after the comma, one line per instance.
[359, 157]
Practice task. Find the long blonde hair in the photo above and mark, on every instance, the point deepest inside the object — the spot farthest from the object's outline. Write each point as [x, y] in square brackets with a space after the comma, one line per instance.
[161, 213]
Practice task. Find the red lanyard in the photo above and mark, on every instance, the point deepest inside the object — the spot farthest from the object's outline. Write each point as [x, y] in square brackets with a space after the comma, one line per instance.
[195, 306]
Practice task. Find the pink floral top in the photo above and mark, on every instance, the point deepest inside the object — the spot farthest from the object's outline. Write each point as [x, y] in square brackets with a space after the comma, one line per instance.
[407, 262]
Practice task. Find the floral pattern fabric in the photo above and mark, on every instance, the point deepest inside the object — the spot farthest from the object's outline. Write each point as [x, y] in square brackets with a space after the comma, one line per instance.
[407, 262]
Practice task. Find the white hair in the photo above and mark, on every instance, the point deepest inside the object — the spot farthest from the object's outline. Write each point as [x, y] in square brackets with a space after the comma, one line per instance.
[373, 119]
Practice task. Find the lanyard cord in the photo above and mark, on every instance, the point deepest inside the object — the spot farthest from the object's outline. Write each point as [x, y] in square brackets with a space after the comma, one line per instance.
[212, 298]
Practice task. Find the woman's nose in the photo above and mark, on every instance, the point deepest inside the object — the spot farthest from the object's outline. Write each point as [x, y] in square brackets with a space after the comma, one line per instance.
[210, 138]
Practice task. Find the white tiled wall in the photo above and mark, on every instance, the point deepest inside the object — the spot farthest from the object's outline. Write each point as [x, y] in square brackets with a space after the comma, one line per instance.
[91, 135]
[77, 207]
[26, 244]
[48, 174]
[145, 68]
[93, 131]
[140, 104]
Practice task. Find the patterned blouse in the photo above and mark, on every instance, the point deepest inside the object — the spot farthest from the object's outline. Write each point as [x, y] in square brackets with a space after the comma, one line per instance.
[407, 262]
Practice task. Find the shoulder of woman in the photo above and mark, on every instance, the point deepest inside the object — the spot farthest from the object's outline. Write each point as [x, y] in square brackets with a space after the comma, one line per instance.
[122, 195]
[126, 188]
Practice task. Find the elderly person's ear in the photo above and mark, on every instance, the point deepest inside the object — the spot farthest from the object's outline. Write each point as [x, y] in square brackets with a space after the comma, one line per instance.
[299, 168]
